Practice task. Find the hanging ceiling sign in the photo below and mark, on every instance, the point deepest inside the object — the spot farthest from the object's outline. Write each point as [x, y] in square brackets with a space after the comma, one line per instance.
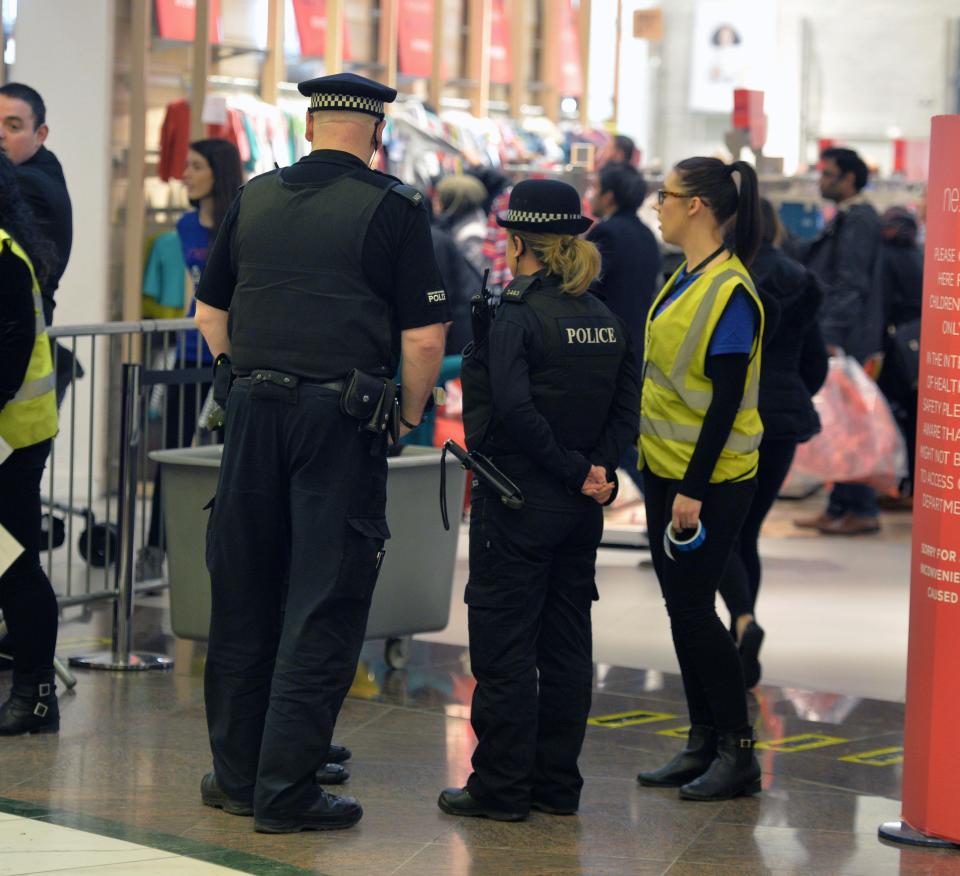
[570, 79]
[415, 35]
[311, 18]
[501, 65]
[176, 20]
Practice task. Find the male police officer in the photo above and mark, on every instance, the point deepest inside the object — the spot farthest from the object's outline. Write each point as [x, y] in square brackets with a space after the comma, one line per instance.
[322, 274]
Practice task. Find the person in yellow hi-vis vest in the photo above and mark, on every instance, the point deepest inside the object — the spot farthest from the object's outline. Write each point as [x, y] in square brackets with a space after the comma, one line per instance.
[28, 420]
[699, 434]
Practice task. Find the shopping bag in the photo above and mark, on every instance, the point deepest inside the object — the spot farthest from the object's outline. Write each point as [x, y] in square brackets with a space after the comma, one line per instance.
[859, 441]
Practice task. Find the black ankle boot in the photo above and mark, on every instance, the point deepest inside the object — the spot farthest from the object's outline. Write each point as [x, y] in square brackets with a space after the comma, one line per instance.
[693, 761]
[32, 707]
[734, 772]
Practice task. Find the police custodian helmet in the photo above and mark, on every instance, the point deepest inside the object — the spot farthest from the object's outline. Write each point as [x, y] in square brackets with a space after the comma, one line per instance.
[549, 206]
[347, 92]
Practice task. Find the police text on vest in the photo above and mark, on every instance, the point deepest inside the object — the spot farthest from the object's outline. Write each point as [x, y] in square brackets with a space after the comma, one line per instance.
[591, 336]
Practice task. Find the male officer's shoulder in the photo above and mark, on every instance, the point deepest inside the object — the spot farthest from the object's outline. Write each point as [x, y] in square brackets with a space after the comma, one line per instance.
[411, 195]
[518, 288]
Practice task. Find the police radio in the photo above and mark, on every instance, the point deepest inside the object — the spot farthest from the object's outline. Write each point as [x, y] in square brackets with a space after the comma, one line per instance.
[481, 311]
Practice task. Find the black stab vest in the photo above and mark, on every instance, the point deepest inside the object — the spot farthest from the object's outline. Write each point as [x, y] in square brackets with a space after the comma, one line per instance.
[572, 382]
[301, 303]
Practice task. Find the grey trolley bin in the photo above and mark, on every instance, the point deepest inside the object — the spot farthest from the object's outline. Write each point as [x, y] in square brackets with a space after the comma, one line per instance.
[414, 589]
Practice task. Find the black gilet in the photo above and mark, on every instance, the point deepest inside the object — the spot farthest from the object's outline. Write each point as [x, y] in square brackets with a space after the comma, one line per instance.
[572, 376]
[302, 304]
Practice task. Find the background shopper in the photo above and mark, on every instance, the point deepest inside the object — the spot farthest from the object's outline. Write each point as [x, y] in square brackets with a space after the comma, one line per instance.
[213, 175]
[700, 431]
[28, 420]
[794, 368]
[845, 258]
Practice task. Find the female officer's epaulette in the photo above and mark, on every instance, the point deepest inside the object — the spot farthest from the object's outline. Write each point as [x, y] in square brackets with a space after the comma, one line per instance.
[518, 288]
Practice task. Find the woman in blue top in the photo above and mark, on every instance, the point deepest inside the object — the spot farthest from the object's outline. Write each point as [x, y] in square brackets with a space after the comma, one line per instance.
[213, 175]
[700, 431]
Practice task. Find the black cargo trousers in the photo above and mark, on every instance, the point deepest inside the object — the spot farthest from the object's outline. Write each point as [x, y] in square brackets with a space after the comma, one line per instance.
[294, 546]
[530, 590]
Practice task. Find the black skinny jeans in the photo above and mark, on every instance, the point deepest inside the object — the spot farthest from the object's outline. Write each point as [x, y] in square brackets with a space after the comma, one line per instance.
[708, 658]
[741, 578]
[27, 600]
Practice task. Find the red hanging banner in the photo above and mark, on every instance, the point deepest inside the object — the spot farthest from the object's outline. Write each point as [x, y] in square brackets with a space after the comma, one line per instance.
[501, 65]
[931, 770]
[176, 20]
[570, 75]
[311, 18]
[415, 36]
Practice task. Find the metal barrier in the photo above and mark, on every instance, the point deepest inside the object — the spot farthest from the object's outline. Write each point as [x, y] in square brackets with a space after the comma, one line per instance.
[126, 388]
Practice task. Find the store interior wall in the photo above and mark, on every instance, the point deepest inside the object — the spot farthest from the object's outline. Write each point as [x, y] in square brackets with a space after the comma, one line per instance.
[860, 71]
[65, 51]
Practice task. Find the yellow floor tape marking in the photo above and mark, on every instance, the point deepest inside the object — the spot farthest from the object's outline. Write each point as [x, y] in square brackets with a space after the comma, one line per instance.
[877, 757]
[804, 742]
[676, 732]
[628, 719]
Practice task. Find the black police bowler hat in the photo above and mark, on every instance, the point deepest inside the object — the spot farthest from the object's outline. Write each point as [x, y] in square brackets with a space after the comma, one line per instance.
[347, 91]
[547, 205]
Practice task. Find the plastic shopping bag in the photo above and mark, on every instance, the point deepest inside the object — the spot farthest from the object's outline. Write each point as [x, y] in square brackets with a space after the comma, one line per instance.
[859, 441]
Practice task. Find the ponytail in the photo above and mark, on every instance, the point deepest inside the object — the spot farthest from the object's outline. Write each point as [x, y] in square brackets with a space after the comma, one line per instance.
[747, 222]
[574, 260]
[732, 193]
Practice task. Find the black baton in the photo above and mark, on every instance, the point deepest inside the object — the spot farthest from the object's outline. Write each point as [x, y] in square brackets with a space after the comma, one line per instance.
[484, 471]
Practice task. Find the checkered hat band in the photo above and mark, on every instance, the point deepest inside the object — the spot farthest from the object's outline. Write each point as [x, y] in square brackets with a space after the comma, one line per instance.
[527, 216]
[346, 102]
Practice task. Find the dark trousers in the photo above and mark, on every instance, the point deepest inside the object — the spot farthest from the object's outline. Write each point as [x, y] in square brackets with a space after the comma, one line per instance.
[631, 456]
[27, 600]
[294, 545]
[741, 578]
[529, 595]
[178, 432]
[857, 499]
[708, 658]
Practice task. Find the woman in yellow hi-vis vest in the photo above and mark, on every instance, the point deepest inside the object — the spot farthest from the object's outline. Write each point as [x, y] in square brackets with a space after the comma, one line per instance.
[28, 420]
[699, 434]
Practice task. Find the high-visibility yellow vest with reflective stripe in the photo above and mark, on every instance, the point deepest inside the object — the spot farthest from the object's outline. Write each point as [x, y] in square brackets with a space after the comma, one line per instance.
[676, 389]
[31, 415]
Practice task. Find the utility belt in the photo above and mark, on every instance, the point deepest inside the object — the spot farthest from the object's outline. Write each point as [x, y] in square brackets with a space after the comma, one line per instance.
[367, 398]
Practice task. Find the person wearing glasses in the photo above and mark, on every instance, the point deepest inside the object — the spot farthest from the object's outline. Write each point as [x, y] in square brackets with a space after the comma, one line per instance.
[699, 436]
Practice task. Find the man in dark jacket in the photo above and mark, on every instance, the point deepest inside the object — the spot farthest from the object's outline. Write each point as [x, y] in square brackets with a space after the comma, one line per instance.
[23, 130]
[630, 261]
[845, 258]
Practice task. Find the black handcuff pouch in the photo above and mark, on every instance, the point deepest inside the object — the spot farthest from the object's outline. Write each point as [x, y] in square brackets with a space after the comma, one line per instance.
[368, 399]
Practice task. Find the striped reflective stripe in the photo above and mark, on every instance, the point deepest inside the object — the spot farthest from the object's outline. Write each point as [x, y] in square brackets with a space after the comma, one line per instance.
[40, 325]
[688, 434]
[693, 398]
[36, 388]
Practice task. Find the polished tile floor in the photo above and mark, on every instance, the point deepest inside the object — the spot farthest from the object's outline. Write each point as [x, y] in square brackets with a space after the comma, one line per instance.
[128, 760]
[122, 778]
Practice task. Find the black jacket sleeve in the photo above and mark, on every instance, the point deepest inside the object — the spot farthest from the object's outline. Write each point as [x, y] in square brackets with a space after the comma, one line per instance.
[17, 323]
[728, 371]
[510, 343]
[814, 361]
[623, 419]
[855, 246]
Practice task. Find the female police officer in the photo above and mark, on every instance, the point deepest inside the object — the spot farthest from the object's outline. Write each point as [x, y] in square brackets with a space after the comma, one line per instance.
[699, 434]
[552, 398]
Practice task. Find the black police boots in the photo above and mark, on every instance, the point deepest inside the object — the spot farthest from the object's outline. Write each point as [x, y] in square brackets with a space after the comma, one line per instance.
[32, 707]
[692, 762]
[326, 813]
[211, 794]
[459, 801]
[734, 772]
